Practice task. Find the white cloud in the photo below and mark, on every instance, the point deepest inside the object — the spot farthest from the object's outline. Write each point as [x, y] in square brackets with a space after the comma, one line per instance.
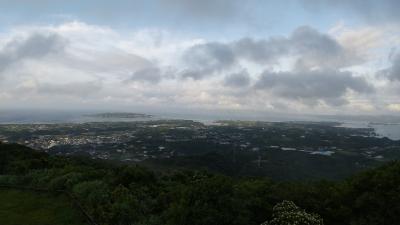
[83, 65]
[394, 107]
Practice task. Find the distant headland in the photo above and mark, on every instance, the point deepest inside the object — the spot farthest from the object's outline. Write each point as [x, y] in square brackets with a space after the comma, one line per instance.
[119, 115]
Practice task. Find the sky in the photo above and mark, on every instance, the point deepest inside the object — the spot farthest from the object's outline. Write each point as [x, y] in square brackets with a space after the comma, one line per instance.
[219, 56]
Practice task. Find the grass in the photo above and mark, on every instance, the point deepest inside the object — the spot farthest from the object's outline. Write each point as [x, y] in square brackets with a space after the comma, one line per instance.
[32, 208]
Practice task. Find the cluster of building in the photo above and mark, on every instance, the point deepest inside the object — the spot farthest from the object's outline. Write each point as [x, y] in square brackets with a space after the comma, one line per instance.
[164, 139]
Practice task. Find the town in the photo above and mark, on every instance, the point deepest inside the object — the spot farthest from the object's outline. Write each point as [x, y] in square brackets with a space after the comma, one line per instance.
[237, 144]
[138, 141]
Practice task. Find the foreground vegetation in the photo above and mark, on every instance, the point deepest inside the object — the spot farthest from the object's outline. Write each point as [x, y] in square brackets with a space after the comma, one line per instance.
[135, 195]
[33, 208]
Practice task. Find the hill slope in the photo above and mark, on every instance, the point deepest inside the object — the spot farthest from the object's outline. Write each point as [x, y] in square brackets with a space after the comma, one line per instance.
[135, 195]
[37, 209]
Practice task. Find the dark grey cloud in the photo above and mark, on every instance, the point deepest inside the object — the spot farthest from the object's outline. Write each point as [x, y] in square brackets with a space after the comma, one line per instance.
[240, 79]
[150, 75]
[370, 10]
[393, 72]
[314, 50]
[205, 59]
[261, 51]
[34, 46]
[317, 49]
[310, 87]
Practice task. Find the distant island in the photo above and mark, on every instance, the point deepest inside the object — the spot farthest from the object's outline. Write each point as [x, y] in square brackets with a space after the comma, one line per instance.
[383, 123]
[120, 115]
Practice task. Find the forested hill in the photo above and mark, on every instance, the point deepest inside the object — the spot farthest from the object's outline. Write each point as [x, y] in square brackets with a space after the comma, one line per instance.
[114, 194]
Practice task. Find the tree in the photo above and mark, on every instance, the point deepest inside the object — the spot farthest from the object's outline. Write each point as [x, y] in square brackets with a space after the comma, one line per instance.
[287, 213]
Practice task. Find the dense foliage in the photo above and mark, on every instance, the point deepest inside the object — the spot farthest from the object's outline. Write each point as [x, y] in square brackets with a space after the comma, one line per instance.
[288, 213]
[115, 194]
[37, 208]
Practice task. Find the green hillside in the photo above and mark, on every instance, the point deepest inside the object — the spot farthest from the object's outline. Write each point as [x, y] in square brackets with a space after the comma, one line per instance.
[130, 194]
[32, 208]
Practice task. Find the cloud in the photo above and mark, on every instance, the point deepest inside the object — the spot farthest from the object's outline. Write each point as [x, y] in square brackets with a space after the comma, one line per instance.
[240, 79]
[394, 107]
[311, 87]
[310, 48]
[363, 41]
[318, 50]
[77, 89]
[203, 60]
[35, 46]
[393, 72]
[63, 62]
[316, 76]
[261, 51]
[150, 75]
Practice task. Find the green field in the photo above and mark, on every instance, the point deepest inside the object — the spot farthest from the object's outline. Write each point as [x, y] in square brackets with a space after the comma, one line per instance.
[33, 208]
